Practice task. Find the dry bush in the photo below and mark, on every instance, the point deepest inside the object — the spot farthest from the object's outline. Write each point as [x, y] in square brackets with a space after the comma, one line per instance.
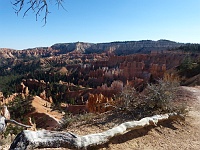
[155, 99]
[159, 97]
[128, 99]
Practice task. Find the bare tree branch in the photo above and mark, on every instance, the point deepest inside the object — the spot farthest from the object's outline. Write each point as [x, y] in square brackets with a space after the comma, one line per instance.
[4, 121]
[17, 123]
[37, 6]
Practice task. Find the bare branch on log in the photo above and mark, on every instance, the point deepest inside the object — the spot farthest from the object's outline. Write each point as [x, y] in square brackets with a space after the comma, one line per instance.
[4, 121]
[17, 123]
[52, 139]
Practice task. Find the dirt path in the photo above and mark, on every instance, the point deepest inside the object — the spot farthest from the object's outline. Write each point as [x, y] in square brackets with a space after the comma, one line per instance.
[195, 109]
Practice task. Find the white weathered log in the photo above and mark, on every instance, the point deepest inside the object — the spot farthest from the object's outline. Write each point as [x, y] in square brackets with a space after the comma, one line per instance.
[51, 139]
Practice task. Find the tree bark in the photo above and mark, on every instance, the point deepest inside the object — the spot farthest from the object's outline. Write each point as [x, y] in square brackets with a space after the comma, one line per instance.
[52, 139]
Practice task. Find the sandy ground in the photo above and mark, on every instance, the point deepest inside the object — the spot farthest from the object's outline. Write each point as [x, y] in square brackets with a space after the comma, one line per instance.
[176, 135]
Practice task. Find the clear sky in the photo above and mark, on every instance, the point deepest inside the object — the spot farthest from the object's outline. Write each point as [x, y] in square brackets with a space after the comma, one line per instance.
[102, 21]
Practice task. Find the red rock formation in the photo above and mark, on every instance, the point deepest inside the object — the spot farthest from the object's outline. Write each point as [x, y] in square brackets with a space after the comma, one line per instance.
[157, 70]
[33, 83]
[1, 98]
[98, 103]
[21, 88]
[43, 95]
[132, 69]
[10, 98]
[49, 99]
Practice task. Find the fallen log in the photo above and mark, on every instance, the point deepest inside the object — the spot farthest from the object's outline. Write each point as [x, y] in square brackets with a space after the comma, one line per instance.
[52, 139]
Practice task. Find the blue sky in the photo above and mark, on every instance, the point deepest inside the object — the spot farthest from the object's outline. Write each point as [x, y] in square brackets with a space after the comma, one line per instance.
[102, 21]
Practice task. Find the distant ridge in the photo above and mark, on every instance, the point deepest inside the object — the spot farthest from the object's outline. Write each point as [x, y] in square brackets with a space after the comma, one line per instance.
[118, 47]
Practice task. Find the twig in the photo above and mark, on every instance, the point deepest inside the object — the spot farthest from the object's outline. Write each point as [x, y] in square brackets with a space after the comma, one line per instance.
[37, 6]
[17, 123]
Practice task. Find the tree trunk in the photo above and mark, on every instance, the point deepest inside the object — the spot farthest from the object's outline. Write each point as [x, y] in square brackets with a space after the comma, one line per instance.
[52, 139]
